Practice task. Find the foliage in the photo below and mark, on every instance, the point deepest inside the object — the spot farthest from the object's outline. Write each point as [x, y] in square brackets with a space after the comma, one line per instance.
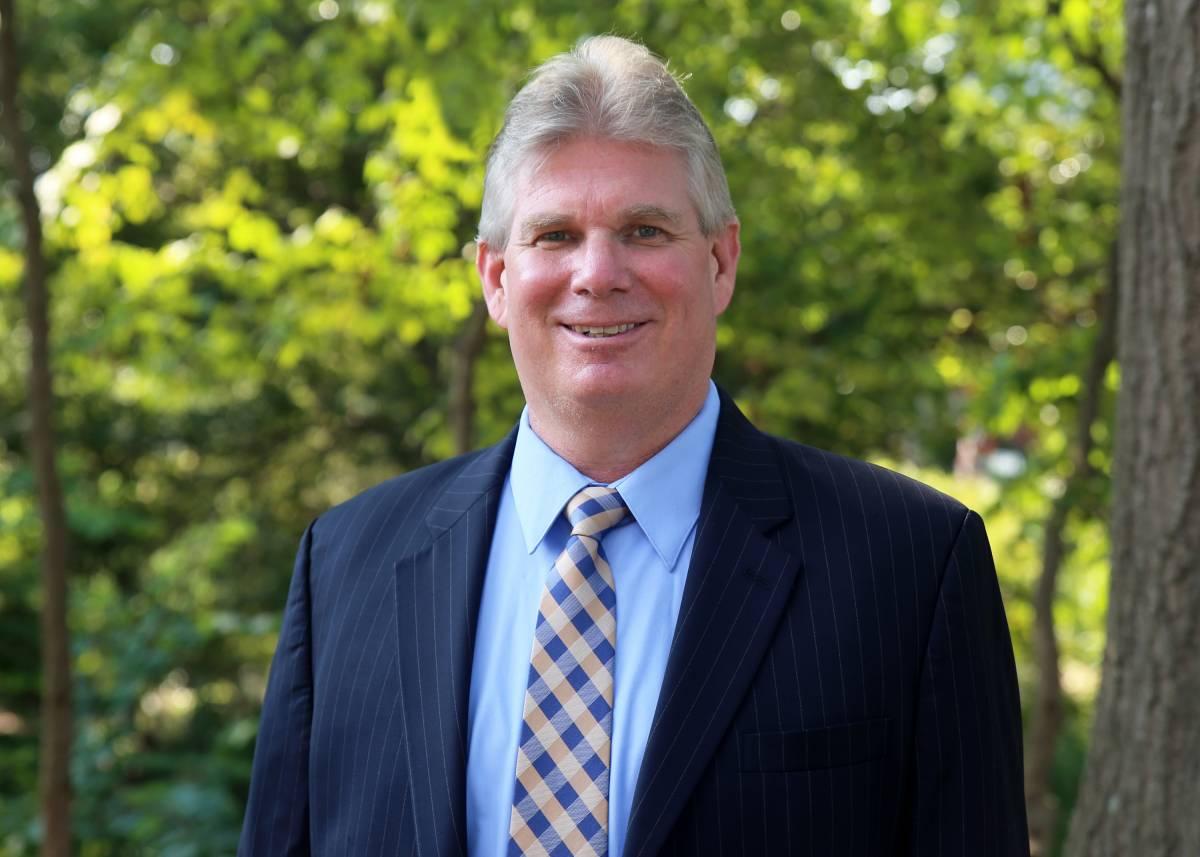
[260, 217]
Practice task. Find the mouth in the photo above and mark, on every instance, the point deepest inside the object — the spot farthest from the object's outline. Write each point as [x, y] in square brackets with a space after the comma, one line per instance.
[594, 331]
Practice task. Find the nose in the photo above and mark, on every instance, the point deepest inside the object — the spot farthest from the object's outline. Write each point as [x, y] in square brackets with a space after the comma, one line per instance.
[601, 266]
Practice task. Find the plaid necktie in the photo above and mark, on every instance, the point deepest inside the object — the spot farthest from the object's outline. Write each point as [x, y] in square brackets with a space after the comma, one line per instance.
[560, 803]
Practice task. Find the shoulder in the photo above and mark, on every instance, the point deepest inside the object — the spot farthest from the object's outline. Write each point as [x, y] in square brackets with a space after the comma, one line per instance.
[400, 502]
[869, 516]
[824, 477]
[825, 487]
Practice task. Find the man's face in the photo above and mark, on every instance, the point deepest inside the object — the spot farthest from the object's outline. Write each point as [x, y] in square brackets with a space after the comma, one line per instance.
[607, 288]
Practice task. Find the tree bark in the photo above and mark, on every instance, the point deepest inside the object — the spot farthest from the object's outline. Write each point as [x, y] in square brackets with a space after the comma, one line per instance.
[54, 784]
[1140, 793]
[1046, 717]
[467, 349]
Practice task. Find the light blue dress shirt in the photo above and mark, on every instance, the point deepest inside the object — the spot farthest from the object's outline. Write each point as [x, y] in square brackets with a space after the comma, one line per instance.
[649, 560]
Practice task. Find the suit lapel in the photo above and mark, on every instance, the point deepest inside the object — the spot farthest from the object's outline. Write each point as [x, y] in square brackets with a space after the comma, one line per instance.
[738, 584]
[438, 591]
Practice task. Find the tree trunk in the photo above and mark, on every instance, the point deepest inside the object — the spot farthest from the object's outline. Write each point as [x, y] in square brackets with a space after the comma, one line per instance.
[1046, 718]
[1140, 794]
[54, 784]
[462, 377]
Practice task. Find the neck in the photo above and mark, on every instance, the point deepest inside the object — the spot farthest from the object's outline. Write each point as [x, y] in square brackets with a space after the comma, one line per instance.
[607, 442]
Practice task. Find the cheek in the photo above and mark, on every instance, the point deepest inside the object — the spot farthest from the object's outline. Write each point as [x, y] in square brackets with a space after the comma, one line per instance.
[536, 289]
[667, 280]
[687, 300]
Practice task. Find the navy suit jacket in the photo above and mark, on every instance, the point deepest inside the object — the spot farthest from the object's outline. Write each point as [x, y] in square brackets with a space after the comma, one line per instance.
[841, 679]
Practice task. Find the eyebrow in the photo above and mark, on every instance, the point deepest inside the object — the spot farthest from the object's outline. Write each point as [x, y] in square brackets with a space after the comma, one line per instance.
[652, 212]
[554, 220]
[541, 223]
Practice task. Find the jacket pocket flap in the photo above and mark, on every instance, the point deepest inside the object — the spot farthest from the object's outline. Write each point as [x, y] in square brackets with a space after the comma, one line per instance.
[814, 749]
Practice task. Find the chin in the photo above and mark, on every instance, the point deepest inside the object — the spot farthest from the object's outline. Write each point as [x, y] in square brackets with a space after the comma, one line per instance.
[589, 395]
[636, 399]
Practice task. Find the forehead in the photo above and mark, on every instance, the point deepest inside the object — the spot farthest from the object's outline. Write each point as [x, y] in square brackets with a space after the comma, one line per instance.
[591, 177]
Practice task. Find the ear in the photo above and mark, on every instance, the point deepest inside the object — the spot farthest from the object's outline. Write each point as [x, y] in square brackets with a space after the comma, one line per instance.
[490, 265]
[726, 248]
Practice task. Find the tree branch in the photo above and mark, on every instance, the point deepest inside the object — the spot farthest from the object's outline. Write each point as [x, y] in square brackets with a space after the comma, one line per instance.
[462, 377]
[1046, 717]
[54, 783]
[1090, 58]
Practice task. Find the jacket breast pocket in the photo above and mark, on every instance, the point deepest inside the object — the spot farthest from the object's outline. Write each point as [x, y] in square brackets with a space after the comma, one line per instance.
[814, 749]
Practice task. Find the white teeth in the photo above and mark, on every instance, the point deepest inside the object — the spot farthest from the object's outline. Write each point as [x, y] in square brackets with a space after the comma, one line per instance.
[611, 330]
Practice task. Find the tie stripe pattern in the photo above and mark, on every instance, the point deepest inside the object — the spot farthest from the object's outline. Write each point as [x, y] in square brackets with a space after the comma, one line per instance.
[560, 802]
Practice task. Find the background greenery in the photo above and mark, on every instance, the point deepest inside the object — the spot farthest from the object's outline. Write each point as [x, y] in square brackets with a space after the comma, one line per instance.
[260, 218]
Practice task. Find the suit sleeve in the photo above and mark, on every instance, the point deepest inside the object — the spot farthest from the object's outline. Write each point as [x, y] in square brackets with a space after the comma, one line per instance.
[276, 820]
[968, 773]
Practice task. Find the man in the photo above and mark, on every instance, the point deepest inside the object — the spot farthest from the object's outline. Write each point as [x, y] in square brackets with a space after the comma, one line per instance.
[637, 625]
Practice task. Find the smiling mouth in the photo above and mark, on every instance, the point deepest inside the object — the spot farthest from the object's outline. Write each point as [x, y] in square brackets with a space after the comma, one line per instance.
[598, 332]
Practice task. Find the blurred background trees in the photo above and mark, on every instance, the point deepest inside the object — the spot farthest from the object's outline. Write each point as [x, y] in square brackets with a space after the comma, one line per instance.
[258, 223]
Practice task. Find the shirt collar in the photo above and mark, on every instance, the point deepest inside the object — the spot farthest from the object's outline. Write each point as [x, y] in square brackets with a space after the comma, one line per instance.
[663, 494]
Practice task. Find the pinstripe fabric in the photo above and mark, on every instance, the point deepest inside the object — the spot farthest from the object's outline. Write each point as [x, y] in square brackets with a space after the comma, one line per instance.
[361, 749]
[841, 680]
[863, 701]
[560, 799]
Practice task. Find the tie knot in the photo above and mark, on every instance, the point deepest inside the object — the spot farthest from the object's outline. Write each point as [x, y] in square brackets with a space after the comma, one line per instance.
[595, 510]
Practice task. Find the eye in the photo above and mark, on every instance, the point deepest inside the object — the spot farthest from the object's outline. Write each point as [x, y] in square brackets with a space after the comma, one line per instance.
[554, 236]
[647, 233]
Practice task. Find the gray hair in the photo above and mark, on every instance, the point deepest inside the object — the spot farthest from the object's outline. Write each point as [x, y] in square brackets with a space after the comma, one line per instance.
[610, 88]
